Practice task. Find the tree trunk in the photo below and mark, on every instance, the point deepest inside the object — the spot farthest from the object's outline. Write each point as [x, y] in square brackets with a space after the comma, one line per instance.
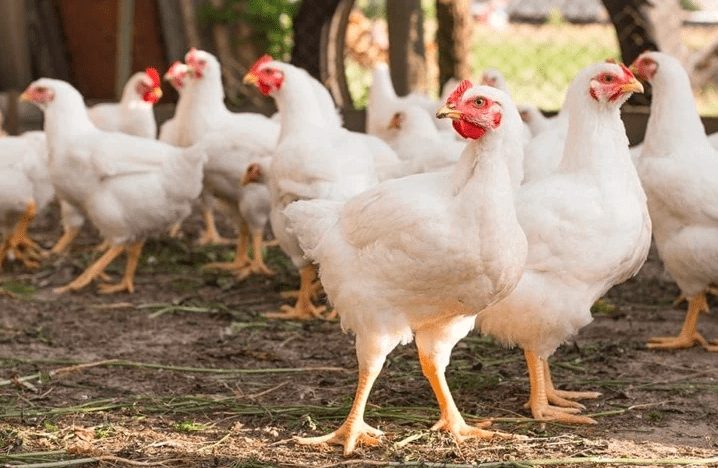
[406, 45]
[310, 24]
[634, 28]
[454, 39]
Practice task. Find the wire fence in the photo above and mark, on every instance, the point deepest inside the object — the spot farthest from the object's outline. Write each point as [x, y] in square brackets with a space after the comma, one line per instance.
[540, 45]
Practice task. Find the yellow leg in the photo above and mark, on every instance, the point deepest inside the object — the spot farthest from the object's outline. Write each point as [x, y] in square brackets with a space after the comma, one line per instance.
[241, 254]
[303, 309]
[563, 398]
[689, 335]
[20, 243]
[65, 240]
[175, 231]
[451, 420]
[211, 234]
[257, 265]
[538, 401]
[354, 430]
[93, 271]
[127, 283]
[317, 290]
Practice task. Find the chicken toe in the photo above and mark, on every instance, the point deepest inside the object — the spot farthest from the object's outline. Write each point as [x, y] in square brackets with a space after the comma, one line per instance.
[349, 435]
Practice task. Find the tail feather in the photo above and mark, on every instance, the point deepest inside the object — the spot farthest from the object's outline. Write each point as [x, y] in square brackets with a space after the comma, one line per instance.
[310, 221]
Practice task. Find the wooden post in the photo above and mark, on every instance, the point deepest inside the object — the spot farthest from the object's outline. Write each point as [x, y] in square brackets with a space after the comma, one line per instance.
[125, 30]
[406, 45]
[454, 39]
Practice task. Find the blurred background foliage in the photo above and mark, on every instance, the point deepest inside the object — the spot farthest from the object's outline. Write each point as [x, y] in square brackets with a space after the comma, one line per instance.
[269, 20]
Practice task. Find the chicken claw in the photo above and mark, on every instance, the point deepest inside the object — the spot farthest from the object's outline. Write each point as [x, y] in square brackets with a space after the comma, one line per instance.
[540, 381]
[688, 336]
[298, 312]
[349, 435]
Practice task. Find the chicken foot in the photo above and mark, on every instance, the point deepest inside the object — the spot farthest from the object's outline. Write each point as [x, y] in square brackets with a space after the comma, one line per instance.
[689, 335]
[211, 235]
[539, 403]
[241, 256]
[563, 398]
[257, 265]
[354, 431]
[433, 360]
[65, 240]
[93, 271]
[20, 243]
[127, 283]
[303, 309]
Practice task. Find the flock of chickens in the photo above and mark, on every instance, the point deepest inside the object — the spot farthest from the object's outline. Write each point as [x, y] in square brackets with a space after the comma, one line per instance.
[432, 224]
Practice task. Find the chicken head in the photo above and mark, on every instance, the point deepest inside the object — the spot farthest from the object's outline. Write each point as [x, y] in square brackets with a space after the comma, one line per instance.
[472, 114]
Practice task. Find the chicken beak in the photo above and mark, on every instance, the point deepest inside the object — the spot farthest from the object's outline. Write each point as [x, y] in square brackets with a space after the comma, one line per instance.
[250, 79]
[25, 96]
[157, 91]
[447, 111]
[394, 123]
[633, 86]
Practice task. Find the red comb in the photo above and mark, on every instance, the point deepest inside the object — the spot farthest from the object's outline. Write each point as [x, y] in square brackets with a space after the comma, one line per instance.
[459, 91]
[260, 61]
[172, 67]
[154, 76]
[626, 71]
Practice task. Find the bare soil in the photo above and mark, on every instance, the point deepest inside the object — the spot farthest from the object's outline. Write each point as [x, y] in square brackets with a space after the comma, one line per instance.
[232, 387]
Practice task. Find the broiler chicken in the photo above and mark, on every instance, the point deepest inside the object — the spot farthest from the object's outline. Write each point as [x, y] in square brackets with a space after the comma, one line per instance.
[588, 229]
[494, 77]
[129, 187]
[314, 159]
[232, 140]
[25, 190]
[176, 75]
[417, 141]
[418, 257]
[133, 115]
[254, 207]
[384, 102]
[677, 166]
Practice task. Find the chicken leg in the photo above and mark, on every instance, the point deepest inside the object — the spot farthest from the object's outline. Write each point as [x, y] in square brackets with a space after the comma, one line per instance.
[20, 243]
[127, 283]
[241, 257]
[303, 309]
[688, 335]
[539, 402]
[257, 265]
[562, 398]
[69, 235]
[211, 234]
[433, 367]
[354, 430]
[93, 271]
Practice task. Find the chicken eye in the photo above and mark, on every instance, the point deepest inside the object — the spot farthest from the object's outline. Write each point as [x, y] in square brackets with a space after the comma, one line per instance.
[480, 101]
[41, 89]
[607, 78]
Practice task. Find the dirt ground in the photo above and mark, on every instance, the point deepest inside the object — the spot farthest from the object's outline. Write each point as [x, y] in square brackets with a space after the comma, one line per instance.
[197, 377]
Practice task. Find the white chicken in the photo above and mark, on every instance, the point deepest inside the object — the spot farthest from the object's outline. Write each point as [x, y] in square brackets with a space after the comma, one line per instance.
[383, 103]
[588, 229]
[254, 207]
[133, 115]
[420, 256]
[176, 75]
[677, 167]
[129, 187]
[314, 159]
[534, 119]
[233, 141]
[494, 77]
[25, 190]
[416, 140]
